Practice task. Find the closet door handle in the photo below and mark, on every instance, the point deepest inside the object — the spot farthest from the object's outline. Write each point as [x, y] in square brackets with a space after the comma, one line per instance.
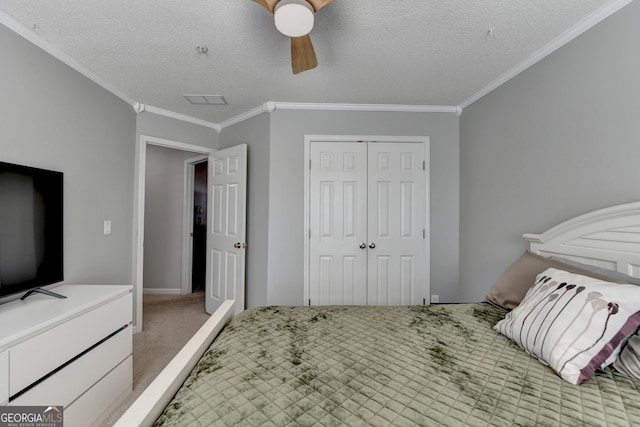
[372, 245]
[363, 245]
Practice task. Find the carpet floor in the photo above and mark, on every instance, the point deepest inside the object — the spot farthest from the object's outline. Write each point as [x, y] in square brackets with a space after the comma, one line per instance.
[169, 321]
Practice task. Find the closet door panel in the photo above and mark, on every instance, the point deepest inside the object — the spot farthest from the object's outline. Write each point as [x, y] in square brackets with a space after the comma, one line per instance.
[338, 223]
[396, 201]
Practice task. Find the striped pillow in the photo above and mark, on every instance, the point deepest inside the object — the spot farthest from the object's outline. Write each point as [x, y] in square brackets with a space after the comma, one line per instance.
[573, 323]
[628, 362]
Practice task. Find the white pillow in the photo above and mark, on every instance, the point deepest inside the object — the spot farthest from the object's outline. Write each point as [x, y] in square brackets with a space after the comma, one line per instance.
[573, 323]
[628, 362]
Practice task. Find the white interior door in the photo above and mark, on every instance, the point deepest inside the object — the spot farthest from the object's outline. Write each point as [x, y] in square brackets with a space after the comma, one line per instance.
[338, 223]
[226, 228]
[396, 229]
[367, 210]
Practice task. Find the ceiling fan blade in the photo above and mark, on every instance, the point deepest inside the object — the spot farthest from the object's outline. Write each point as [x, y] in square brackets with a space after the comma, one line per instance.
[270, 5]
[303, 57]
[319, 4]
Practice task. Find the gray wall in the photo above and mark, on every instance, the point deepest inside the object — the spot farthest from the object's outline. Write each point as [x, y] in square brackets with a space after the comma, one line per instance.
[558, 140]
[255, 133]
[52, 117]
[164, 202]
[176, 130]
[286, 190]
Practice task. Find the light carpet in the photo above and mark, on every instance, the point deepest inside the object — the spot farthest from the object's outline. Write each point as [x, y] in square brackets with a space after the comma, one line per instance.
[169, 321]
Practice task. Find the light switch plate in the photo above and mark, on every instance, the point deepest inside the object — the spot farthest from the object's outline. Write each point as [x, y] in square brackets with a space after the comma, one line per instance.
[107, 227]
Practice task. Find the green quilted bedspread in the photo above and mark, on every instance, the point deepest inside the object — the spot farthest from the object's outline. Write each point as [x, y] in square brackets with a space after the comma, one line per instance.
[379, 366]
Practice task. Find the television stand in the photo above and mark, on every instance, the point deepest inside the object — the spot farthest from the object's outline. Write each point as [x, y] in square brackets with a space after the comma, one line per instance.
[42, 291]
[74, 352]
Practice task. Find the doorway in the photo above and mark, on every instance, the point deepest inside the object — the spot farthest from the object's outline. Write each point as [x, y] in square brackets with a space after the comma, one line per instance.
[195, 219]
[199, 230]
[139, 212]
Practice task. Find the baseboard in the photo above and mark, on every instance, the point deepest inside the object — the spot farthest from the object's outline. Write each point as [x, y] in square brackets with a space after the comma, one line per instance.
[164, 291]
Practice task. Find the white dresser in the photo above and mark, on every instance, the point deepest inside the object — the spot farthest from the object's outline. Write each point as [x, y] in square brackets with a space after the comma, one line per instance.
[74, 352]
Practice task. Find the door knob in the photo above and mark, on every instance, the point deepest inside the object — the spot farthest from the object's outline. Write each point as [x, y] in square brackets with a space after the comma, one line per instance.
[239, 245]
[372, 245]
[363, 245]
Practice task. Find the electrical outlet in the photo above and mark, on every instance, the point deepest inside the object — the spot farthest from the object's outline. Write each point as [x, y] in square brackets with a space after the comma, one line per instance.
[435, 299]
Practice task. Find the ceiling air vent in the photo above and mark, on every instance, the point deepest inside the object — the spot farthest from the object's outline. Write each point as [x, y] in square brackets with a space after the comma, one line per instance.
[206, 99]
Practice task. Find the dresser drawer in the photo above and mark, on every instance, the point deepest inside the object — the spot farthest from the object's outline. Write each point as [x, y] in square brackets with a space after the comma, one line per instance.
[95, 405]
[4, 377]
[69, 383]
[39, 355]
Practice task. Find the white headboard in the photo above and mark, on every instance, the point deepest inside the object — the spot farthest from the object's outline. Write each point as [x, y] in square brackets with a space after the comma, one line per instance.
[608, 238]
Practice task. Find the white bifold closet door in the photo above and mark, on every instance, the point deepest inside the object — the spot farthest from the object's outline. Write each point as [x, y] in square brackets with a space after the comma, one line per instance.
[367, 230]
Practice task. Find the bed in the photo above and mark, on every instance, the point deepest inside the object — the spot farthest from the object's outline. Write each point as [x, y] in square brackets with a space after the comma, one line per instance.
[413, 365]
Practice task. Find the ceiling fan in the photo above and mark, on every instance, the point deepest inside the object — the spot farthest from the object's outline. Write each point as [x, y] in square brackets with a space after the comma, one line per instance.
[294, 18]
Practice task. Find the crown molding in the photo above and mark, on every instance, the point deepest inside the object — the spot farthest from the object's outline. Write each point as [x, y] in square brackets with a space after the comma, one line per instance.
[366, 107]
[564, 38]
[139, 108]
[267, 107]
[27, 33]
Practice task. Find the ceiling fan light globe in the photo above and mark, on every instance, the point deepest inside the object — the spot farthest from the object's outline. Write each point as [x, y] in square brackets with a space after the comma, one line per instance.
[294, 18]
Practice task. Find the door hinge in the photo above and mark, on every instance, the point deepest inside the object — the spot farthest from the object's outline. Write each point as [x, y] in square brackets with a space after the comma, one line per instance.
[424, 233]
[424, 165]
[309, 163]
[309, 233]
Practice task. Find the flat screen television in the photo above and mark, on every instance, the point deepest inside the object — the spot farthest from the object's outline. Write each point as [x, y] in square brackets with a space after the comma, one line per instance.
[31, 238]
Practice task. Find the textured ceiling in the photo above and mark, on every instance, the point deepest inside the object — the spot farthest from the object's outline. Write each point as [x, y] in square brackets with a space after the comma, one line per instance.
[415, 52]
